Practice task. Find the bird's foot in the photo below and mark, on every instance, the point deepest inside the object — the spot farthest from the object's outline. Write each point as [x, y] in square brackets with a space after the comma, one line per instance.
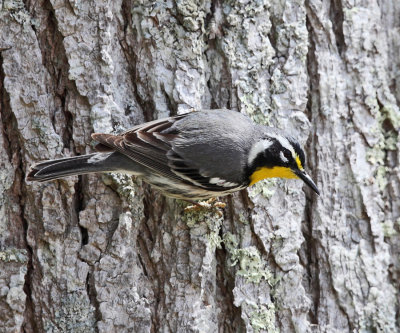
[206, 205]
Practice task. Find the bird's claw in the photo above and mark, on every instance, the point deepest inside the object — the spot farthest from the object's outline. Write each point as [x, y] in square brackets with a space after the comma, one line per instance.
[206, 205]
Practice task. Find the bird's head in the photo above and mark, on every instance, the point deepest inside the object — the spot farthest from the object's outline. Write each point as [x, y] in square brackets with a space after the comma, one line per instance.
[277, 155]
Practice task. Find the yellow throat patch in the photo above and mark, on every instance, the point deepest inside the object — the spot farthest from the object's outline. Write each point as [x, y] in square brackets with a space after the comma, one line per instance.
[262, 173]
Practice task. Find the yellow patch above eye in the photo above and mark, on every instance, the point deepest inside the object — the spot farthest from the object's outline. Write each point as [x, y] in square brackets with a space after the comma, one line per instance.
[262, 173]
[298, 162]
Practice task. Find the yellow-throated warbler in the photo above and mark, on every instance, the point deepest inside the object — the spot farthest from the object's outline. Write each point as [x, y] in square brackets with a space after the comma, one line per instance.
[197, 155]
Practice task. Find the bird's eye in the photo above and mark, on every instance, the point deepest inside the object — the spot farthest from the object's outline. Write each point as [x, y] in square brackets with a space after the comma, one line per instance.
[287, 154]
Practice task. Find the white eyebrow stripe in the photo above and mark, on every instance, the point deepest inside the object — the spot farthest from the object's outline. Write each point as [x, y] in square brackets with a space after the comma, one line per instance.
[285, 144]
[258, 148]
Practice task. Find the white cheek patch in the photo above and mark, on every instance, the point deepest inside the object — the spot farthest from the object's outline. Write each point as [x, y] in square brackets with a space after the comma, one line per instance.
[283, 158]
[258, 148]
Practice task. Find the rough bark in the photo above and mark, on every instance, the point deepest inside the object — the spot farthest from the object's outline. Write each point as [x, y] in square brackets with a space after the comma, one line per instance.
[106, 253]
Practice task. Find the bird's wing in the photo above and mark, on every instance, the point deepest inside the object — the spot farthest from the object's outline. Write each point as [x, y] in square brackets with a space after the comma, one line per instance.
[152, 145]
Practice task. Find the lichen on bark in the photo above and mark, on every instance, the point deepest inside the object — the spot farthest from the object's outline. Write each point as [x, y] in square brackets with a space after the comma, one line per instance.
[105, 253]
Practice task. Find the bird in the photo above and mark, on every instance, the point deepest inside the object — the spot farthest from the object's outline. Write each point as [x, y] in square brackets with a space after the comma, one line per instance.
[193, 156]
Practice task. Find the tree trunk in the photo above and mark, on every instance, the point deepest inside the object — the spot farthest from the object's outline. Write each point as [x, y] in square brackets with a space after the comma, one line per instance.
[106, 253]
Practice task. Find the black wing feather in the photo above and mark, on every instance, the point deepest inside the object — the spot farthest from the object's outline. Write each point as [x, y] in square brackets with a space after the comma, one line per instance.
[148, 145]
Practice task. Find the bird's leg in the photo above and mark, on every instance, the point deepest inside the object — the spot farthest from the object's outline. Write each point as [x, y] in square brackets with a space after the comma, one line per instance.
[208, 204]
[215, 203]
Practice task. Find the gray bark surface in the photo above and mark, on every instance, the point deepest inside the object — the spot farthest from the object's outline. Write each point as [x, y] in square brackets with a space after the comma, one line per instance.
[106, 253]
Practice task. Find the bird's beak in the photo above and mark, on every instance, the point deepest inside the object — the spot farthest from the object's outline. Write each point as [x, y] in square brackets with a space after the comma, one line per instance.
[306, 178]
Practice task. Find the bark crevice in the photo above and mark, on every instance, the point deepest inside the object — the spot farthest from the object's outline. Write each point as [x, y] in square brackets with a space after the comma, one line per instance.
[14, 150]
[92, 294]
[337, 17]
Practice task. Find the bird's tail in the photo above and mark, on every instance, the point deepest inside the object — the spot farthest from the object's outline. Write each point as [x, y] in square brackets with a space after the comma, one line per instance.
[78, 165]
